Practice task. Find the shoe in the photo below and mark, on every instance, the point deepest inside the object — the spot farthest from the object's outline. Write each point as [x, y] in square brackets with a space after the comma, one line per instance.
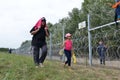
[103, 63]
[69, 68]
[36, 66]
[64, 65]
[41, 65]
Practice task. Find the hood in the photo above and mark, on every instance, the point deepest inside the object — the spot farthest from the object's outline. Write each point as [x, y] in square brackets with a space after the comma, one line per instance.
[38, 24]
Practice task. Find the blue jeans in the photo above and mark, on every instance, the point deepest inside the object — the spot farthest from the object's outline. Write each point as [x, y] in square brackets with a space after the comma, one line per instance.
[68, 55]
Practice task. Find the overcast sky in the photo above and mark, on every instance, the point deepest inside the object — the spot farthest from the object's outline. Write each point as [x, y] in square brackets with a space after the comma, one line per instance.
[17, 17]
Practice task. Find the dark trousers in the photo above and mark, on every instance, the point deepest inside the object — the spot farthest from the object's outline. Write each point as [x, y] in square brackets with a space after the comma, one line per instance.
[115, 19]
[36, 54]
[68, 55]
[102, 58]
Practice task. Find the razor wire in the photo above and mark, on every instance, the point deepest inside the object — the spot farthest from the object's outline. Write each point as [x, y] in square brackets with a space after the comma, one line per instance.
[111, 37]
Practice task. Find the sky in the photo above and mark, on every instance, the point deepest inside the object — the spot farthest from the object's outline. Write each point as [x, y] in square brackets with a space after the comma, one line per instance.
[17, 17]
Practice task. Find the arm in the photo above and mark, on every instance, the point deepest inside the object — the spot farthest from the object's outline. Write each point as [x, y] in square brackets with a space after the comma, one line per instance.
[98, 49]
[116, 4]
[47, 32]
[34, 32]
[62, 46]
[105, 47]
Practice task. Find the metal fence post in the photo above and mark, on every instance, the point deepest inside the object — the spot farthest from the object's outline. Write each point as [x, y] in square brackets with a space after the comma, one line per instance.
[89, 41]
[63, 40]
[50, 52]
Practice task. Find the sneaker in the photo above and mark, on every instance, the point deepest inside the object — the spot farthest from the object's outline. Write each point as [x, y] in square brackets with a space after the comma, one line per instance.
[69, 68]
[36, 66]
[41, 65]
[64, 65]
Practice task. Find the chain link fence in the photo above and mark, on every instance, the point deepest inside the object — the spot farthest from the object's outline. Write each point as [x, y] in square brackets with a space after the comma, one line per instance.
[111, 36]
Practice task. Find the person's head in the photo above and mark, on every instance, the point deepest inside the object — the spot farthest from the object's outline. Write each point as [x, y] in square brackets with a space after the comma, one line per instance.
[101, 42]
[43, 21]
[68, 36]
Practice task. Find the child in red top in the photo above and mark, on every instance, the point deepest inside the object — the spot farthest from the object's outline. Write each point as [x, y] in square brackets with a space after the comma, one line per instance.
[67, 48]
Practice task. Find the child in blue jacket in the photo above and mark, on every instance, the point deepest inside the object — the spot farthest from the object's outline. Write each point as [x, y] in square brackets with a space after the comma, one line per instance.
[101, 49]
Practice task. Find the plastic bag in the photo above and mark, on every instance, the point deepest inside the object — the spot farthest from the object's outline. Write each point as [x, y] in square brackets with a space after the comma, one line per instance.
[74, 57]
[61, 52]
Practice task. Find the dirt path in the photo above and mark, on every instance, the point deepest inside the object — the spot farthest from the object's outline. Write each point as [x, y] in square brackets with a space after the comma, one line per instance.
[95, 62]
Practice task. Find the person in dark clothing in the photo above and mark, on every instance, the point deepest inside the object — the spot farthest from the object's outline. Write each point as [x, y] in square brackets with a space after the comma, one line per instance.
[117, 10]
[10, 51]
[39, 32]
[116, 6]
[101, 49]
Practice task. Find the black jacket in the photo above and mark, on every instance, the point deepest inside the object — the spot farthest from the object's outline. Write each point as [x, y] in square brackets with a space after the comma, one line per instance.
[39, 39]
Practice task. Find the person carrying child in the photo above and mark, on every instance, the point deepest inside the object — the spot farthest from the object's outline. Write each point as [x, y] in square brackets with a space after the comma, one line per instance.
[68, 45]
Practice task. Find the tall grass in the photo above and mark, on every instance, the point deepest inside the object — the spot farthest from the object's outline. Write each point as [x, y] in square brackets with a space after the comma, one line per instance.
[20, 67]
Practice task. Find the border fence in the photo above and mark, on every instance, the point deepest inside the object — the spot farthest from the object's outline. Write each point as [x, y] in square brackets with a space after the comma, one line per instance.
[111, 36]
[85, 42]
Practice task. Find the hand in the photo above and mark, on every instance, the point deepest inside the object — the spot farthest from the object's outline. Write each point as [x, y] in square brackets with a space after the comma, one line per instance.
[61, 46]
[46, 31]
[105, 46]
[37, 29]
[46, 28]
[34, 32]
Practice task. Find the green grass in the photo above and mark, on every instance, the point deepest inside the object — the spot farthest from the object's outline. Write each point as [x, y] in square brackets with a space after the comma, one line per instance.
[20, 67]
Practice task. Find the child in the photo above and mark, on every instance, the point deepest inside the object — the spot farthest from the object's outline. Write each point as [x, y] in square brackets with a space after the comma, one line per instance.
[67, 45]
[101, 49]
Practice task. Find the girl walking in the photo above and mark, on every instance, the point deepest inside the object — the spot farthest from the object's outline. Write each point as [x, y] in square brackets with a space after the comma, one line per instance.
[67, 45]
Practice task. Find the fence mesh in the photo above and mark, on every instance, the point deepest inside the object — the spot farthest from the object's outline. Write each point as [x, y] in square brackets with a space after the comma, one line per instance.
[111, 36]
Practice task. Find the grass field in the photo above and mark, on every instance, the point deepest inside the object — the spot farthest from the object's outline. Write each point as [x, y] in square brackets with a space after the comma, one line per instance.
[19, 67]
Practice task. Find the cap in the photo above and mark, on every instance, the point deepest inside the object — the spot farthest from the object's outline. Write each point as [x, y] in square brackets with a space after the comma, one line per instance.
[68, 35]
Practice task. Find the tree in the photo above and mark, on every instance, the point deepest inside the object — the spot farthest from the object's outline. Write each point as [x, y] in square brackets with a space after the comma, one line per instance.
[99, 11]
[50, 26]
